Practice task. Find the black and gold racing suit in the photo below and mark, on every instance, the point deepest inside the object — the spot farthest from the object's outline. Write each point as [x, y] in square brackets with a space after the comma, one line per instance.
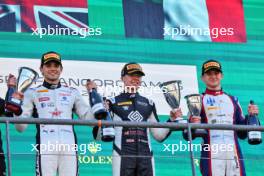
[132, 154]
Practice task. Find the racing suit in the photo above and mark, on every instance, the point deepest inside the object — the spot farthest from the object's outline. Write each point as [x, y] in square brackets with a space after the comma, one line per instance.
[225, 160]
[2, 156]
[132, 154]
[54, 102]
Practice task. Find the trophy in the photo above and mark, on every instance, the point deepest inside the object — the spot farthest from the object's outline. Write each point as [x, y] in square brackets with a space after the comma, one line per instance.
[26, 76]
[171, 92]
[194, 103]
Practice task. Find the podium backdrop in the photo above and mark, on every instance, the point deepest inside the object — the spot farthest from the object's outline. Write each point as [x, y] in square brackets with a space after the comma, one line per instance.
[125, 31]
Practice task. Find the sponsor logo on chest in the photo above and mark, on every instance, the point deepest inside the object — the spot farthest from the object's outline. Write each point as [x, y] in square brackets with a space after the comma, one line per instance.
[142, 103]
[41, 99]
[125, 103]
[135, 116]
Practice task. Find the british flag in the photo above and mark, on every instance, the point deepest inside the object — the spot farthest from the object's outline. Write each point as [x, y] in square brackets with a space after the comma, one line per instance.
[27, 15]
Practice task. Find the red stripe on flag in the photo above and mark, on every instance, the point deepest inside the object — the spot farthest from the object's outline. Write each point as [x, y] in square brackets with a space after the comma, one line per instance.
[27, 8]
[226, 16]
[70, 20]
[60, 3]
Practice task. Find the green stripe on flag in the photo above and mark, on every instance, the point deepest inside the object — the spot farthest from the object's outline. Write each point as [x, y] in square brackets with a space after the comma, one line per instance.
[107, 15]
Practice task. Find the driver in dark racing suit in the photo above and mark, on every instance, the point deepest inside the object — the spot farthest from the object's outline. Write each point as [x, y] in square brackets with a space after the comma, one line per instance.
[132, 154]
[10, 82]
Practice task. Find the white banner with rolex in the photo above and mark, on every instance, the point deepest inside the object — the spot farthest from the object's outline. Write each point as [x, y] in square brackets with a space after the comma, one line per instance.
[107, 77]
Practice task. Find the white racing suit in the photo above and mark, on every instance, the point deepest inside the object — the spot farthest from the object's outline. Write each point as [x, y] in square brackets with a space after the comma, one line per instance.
[55, 102]
[225, 157]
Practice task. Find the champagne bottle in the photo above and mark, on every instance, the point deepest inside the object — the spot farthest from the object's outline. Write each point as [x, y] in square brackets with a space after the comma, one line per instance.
[254, 137]
[108, 132]
[97, 105]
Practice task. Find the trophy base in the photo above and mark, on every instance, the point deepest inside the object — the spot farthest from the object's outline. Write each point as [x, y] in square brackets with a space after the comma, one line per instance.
[200, 133]
[181, 120]
[195, 133]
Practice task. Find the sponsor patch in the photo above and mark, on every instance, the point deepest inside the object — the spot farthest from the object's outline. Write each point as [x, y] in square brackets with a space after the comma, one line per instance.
[210, 101]
[41, 99]
[50, 104]
[125, 107]
[44, 90]
[135, 116]
[64, 94]
[56, 113]
[64, 99]
[211, 64]
[212, 108]
[124, 103]
[142, 103]
[43, 105]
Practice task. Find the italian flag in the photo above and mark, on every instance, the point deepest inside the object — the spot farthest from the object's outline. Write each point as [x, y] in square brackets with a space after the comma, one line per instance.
[187, 20]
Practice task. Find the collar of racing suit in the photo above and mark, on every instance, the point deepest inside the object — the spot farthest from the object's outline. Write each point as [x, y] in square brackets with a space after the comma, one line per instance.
[130, 95]
[51, 86]
[214, 92]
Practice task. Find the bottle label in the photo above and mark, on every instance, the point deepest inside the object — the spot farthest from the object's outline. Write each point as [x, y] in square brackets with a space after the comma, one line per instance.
[254, 135]
[108, 131]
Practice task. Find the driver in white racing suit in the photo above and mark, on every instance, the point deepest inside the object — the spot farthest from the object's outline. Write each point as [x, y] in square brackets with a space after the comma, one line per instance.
[51, 100]
[224, 157]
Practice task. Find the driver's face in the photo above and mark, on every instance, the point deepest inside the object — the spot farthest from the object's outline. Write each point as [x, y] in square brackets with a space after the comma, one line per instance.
[132, 82]
[51, 71]
[212, 79]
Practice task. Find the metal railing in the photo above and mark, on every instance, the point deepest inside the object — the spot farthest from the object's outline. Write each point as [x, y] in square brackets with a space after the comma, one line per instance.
[172, 126]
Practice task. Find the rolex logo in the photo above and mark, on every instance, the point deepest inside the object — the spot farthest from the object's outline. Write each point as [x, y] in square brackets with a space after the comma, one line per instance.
[93, 147]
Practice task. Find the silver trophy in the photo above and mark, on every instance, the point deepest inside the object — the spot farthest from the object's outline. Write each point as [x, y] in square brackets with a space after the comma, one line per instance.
[26, 76]
[194, 103]
[172, 94]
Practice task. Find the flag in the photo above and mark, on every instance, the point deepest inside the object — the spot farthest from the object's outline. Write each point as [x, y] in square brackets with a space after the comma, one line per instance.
[188, 20]
[143, 19]
[27, 15]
